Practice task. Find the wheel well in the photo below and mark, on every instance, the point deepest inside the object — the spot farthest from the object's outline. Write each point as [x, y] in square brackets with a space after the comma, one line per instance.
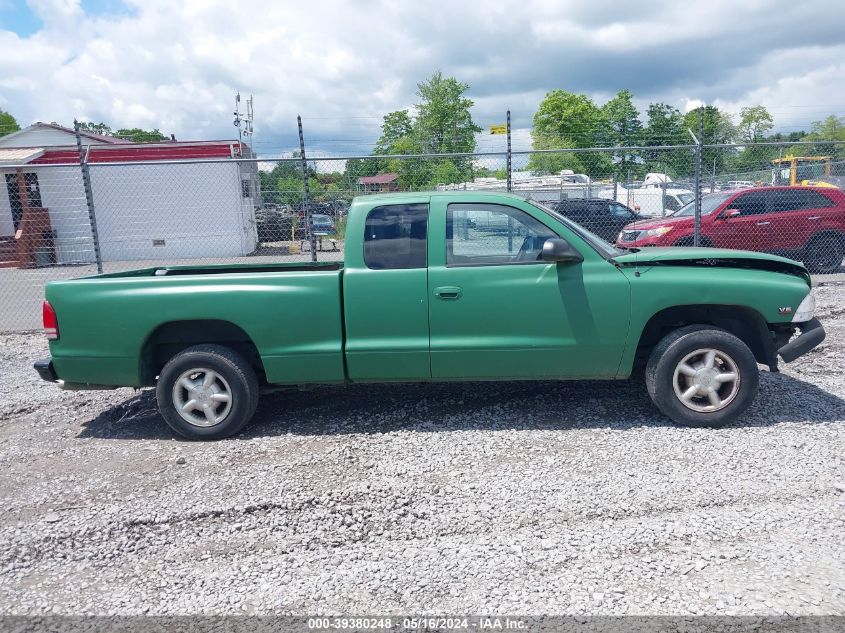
[830, 235]
[169, 339]
[746, 324]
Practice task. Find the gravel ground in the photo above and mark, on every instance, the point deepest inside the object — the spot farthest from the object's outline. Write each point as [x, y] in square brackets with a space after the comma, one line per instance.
[557, 498]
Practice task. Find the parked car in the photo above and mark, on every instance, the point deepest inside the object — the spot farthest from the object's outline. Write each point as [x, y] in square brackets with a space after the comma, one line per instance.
[805, 223]
[739, 184]
[603, 217]
[322, 224]
[421, 298]
[274, 224]
[651, 201]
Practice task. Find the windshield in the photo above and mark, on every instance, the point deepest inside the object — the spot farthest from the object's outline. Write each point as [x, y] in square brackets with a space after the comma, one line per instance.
[686, 198]
[604, 249]
[709, 204]
[322, 219]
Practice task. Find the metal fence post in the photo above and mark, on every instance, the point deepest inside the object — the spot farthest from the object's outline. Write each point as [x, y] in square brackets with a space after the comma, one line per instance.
[312, 239]
[713, 177]
[696, 238]
[89, 197]
[509, 164]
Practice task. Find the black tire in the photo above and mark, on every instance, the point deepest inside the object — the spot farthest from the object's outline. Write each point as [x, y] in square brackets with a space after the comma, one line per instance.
[824, 253]
[732, 357]
[233, 377]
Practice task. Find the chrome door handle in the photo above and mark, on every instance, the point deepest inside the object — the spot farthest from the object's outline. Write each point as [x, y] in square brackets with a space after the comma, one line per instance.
[448, 292]
[763, 223]
[815, 217]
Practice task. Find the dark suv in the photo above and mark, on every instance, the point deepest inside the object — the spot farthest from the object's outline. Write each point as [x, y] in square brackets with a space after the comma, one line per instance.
[603, 217]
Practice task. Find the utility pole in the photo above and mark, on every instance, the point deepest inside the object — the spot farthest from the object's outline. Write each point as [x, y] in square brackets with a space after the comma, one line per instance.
[237, 113]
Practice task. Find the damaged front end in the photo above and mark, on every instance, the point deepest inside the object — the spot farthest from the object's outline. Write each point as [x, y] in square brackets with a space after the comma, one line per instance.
[712, 258]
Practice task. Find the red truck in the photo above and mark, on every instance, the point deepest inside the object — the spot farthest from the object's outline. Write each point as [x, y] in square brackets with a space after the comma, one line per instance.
[804, 223]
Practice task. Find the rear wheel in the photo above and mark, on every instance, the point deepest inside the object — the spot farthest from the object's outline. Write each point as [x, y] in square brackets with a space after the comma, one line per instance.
[824, 253]
[207, 392]
[702, 376]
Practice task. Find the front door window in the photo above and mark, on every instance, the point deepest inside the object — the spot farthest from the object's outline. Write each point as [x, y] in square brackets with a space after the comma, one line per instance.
[479, 234]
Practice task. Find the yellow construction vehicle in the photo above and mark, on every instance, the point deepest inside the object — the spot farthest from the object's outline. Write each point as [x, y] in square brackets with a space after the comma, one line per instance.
[801, 170]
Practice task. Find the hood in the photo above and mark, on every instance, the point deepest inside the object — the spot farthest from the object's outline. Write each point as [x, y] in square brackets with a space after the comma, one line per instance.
[711, 257]
[653, 223]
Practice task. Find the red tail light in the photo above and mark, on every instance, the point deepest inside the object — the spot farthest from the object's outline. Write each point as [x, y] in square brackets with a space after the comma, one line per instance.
[51, 323]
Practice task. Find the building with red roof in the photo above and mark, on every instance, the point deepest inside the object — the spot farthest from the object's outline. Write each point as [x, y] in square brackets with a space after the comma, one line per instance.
[164, 200]
[379, 183]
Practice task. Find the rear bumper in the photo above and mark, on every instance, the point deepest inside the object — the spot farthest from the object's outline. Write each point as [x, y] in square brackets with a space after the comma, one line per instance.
[45, 370]
[812, 334]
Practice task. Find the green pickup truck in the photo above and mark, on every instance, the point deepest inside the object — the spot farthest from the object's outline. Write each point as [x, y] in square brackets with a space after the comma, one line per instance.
[451, 286]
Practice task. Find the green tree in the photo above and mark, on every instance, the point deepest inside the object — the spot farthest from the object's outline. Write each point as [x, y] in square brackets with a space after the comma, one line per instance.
[665, 126]
[8, 123]
[830, 129]
[444, 123]
[291, 190]
[754, 161]
[566, 120]
[96, 128]
[441, 123]
[754, 122]
[717, 127]
[557, 162]
[622, 127]
[395, 125]
[283, 183]
[446, 173]
[414, 173]
[622, 120]
[137, 135]
[789, 136]
[355, 169]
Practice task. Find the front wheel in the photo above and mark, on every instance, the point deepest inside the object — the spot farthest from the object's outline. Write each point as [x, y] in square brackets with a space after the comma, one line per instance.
[702, 376]
[207, 392]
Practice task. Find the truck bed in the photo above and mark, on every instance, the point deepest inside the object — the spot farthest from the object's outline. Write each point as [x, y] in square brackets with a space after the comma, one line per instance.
[291, 312]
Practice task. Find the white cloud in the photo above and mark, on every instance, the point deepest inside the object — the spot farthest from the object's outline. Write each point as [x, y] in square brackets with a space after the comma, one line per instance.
[176, 65]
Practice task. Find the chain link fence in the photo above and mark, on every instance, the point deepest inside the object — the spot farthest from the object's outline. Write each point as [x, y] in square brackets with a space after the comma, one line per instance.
[781, 198]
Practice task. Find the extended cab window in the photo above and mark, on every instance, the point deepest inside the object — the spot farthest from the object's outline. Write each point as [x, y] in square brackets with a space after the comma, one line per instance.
[486, 234]
[395, 236]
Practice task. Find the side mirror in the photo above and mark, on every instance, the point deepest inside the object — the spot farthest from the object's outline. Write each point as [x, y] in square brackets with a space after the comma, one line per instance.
[556, 249]
[732, 213]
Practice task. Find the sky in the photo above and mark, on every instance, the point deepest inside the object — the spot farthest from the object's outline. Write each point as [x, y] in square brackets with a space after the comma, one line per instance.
[342, 65]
